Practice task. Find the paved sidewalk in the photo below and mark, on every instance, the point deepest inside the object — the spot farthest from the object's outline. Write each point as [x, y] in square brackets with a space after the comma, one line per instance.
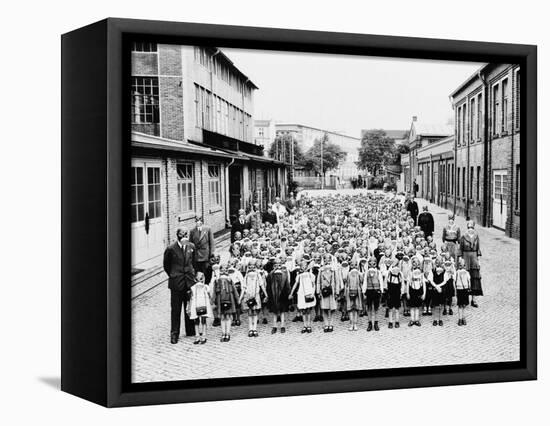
[492, 334]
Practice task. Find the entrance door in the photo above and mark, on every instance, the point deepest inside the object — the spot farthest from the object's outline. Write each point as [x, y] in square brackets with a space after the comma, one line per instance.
[500, 196]
[435, 184]
[147, 222]
[235, 196]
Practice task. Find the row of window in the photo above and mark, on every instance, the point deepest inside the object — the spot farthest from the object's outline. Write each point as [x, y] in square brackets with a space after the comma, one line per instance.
[144, 47]
[221, 69]
[217, 115]
[469, 115]
[186, 186]
[145, 190]
[446, 176]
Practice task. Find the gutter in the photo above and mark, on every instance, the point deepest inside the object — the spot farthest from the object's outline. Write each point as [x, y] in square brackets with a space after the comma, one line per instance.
[227, 195]
[485, 149]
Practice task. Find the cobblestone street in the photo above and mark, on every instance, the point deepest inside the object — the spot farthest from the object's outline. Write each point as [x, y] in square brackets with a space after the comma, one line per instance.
[492, 333]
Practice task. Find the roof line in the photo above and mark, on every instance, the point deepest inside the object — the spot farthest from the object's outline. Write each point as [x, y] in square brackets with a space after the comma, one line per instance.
[316, 128]
[469, 79]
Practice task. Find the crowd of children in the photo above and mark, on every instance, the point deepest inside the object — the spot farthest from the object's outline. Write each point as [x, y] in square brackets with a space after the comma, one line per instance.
[346, 253]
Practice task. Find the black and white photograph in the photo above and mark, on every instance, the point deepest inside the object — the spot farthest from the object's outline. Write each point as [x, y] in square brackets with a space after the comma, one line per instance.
[299, 212]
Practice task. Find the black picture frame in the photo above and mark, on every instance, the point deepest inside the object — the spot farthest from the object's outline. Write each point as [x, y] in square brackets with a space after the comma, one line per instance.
[95, 226]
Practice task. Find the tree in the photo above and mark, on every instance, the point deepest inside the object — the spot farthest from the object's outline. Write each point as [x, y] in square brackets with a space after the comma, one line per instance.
[333, 155]
[376, 151]
[280, 149]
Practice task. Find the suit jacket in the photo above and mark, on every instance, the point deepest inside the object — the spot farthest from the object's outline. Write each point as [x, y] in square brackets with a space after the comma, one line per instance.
[204, 243]
[178, 264]
[238, 227]
[426, 223]
[413, 208]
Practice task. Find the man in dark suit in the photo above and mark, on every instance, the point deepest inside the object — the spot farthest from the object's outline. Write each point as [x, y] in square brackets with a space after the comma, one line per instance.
[269, 216]
[239, 225]
[426, 222]
[203, 239]
[412, 208]
[178, 264]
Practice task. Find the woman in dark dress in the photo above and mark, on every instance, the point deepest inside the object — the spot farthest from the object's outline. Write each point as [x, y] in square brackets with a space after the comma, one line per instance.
[468, 249]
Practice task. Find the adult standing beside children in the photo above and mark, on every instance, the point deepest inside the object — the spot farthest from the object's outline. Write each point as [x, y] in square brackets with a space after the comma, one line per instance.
[426, 222]
[178, 264]
[451, 235]
[412, 208]
[468, 249]
[203, 239]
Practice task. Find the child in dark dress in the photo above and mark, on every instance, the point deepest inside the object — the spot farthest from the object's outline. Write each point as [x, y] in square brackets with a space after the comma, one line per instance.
[278, 288]
[395, 288]
[226, 301]
[416, 292]
[438, 294]
[373, 286]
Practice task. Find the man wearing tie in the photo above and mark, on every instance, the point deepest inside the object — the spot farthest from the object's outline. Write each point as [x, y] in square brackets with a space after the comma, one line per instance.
[178, 264]
[203, 239]
[239, 225]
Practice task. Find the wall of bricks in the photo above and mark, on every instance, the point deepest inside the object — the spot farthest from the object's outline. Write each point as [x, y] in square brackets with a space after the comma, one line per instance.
[170, 92]
[503, 152]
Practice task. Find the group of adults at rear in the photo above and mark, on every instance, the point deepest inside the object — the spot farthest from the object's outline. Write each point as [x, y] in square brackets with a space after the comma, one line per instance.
[193, 250]
[466, 243]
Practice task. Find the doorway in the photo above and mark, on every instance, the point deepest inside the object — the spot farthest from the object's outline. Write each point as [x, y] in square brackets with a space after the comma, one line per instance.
[500, 198]
[147, 221]
[235, 190]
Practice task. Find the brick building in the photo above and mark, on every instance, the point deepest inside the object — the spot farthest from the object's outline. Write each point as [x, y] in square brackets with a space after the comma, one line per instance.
[476, 171]
[192, 145]
[429, 161]
[487, 132]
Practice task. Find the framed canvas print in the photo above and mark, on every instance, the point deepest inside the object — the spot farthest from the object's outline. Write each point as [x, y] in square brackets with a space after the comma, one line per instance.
[255, 212]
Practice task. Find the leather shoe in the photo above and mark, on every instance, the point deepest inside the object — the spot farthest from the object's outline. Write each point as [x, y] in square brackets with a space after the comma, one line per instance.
[174, 339]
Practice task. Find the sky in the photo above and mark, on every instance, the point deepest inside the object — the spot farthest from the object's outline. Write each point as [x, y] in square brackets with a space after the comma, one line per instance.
[348, 93]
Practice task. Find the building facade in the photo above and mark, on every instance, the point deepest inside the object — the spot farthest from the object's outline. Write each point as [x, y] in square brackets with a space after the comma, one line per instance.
[476, 171]
[193, 151]
[430, 150]
[264, 134]
[306, 136]
[487, 147]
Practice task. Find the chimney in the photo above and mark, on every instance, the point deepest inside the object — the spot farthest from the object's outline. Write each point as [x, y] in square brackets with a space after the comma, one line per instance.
[415, 117]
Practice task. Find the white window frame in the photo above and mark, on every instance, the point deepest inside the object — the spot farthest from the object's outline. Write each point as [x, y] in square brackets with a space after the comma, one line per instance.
[187, 182]
[214, 186]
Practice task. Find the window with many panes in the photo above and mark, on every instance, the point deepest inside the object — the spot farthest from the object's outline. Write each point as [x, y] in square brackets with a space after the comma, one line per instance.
[478, 180]
[153, 192]
[472, 125]
[185, 187]
[517, 94]
[479, 117]
[145, 100]
[505, 105]
[471, 190]
[214, 184]
[136, 196]
[464, 181]
[496, 109]
[144, 47]
[517, 194]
